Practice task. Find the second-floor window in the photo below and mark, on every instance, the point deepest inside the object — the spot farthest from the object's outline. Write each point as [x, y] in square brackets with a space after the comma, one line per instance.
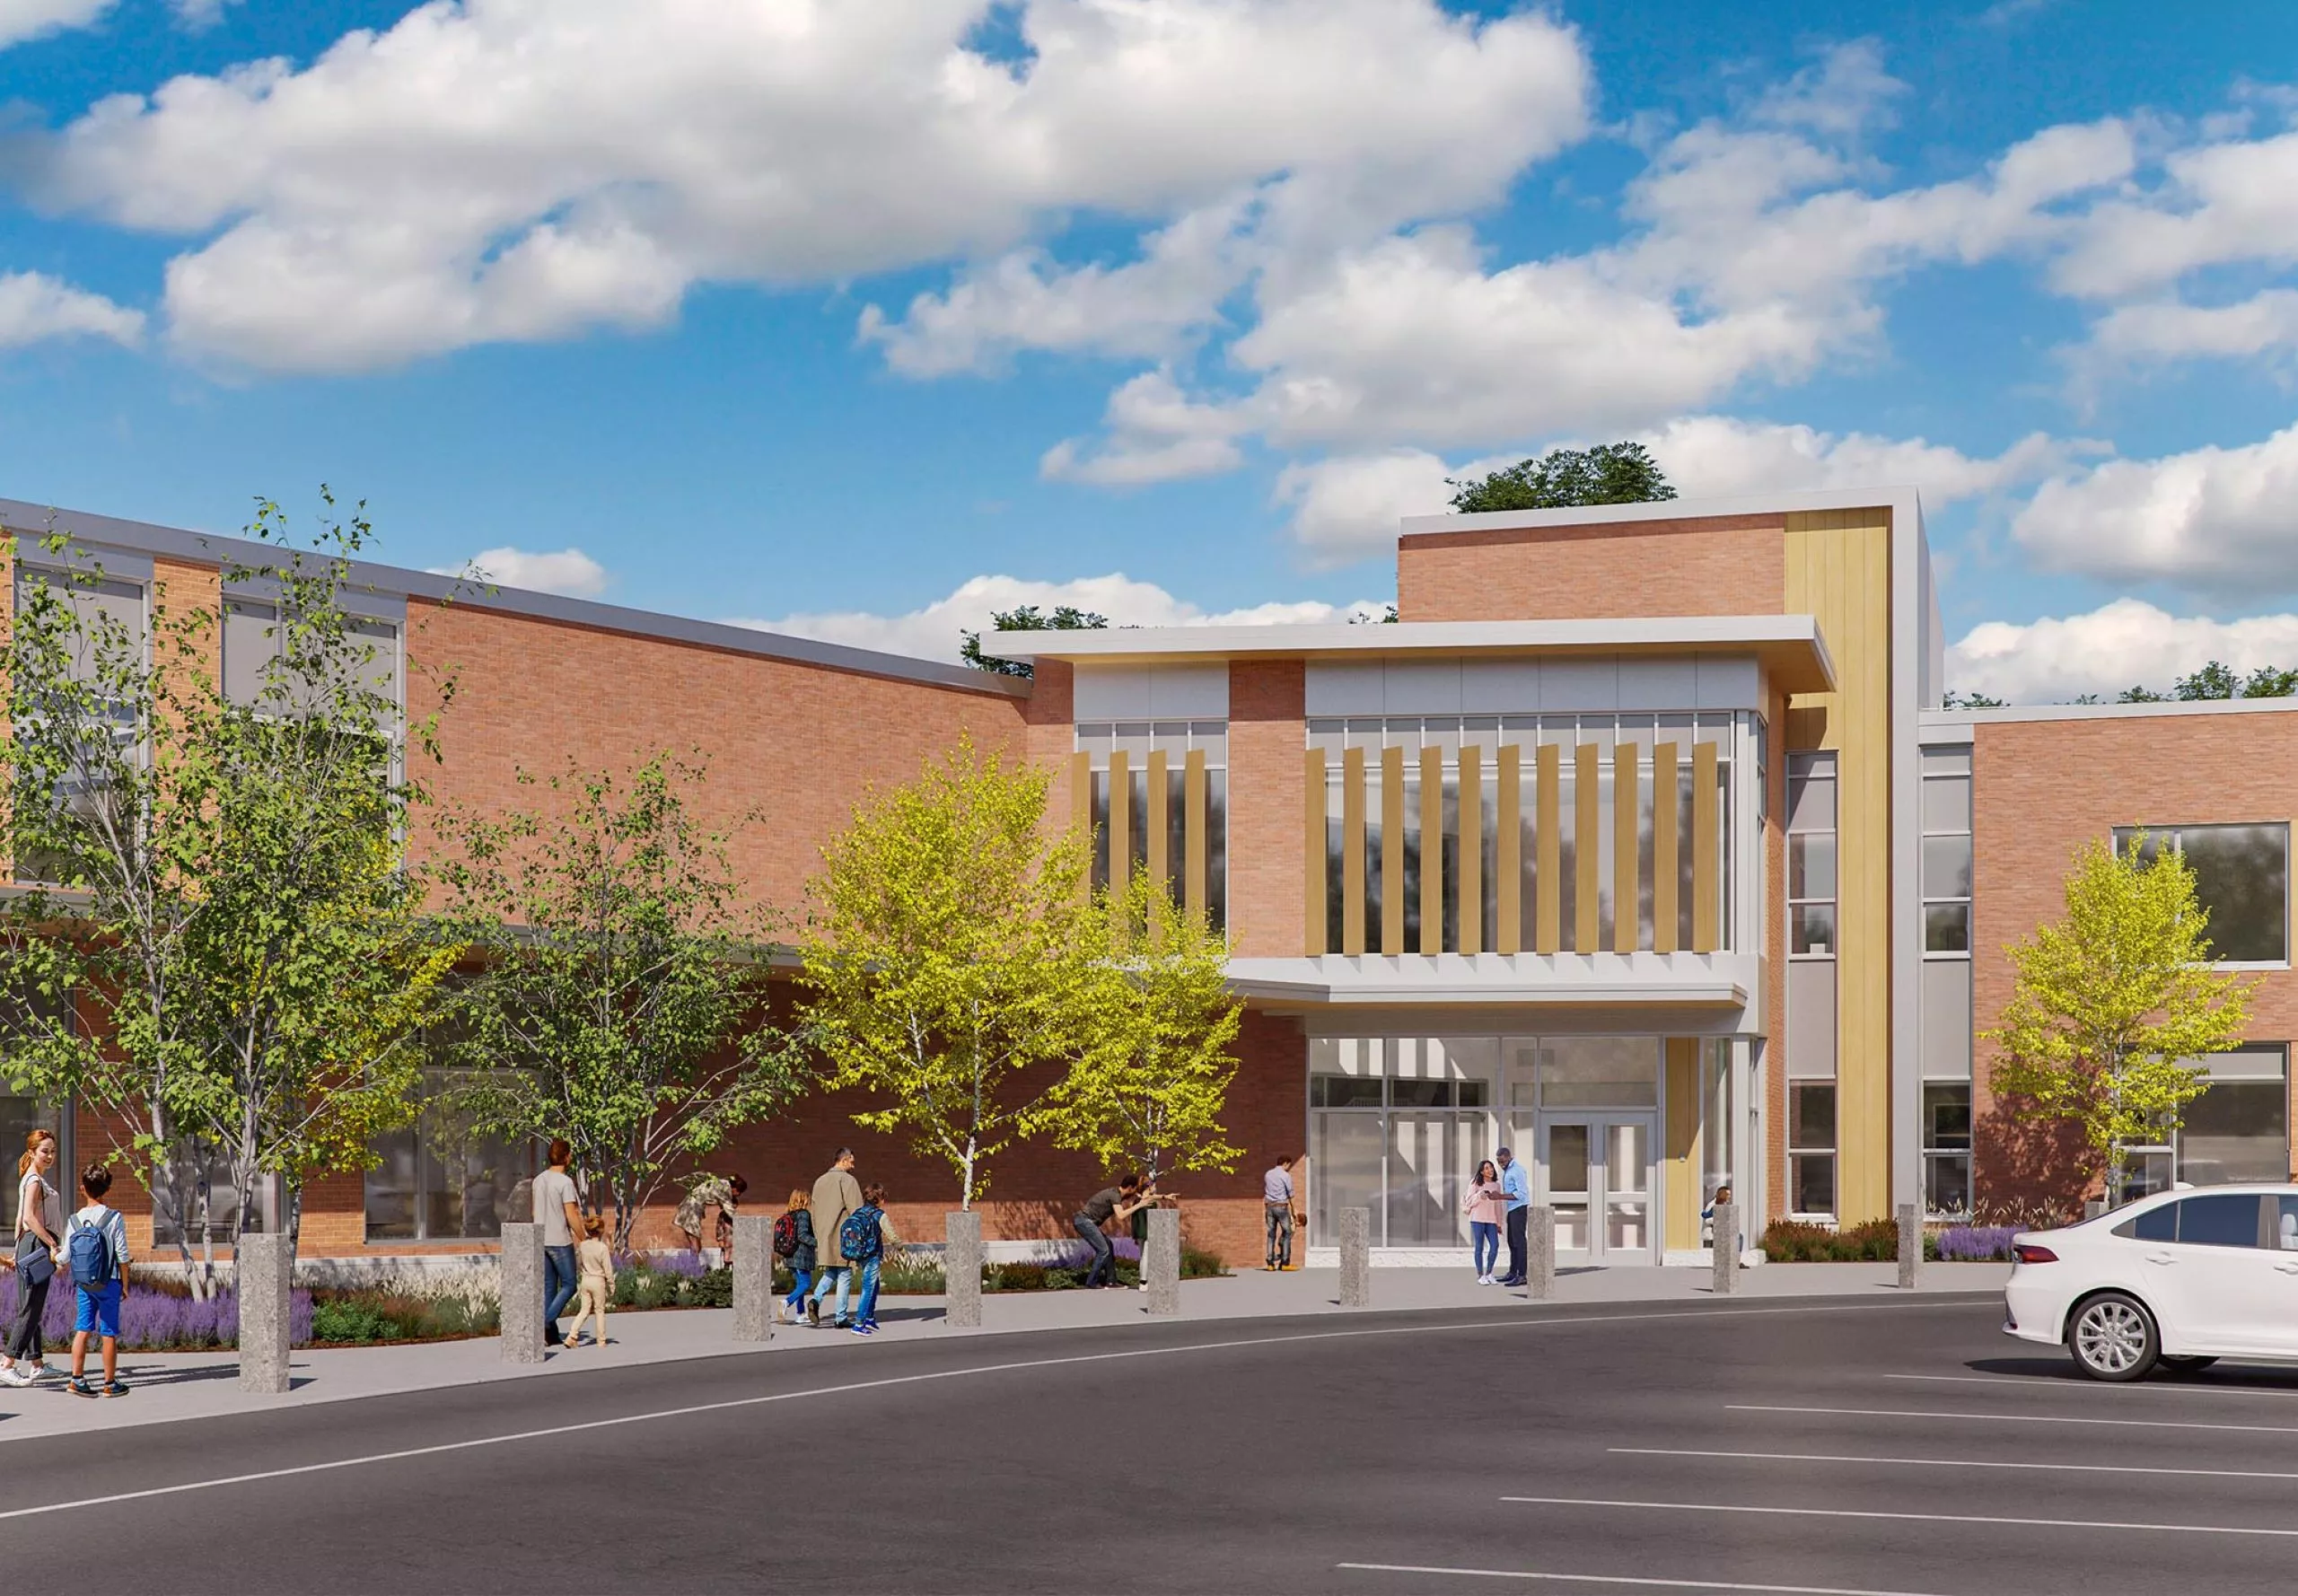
[2241, 875]
[1159, 804]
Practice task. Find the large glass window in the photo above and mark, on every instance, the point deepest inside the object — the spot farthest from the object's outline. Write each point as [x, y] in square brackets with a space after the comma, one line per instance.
[19, 1117]
[1134, 742]
[438, 1179]
[1947, 1148]
[2241, 875]
[2236, 1130]
[1811, 1148]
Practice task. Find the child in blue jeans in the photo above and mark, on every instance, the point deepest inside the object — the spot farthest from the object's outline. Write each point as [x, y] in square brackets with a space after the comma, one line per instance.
[870, 1220]
[95, 1244]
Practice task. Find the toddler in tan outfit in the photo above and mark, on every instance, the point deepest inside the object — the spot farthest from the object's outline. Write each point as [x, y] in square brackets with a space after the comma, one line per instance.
[595, 1284]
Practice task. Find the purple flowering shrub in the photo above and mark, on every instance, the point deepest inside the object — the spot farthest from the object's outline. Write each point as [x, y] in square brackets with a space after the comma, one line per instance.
[1976, 1243]
[154, 1319]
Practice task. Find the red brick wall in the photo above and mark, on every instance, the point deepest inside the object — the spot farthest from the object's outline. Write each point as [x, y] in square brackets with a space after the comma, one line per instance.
[1716, 564]
[2042, 788]
[1267, 741]
[799, 744]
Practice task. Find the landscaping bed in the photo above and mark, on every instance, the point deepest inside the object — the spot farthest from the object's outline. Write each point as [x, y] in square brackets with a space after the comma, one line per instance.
[1877, 1241]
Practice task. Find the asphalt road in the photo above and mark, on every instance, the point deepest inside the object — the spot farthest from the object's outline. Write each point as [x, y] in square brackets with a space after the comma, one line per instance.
[1866, 1447]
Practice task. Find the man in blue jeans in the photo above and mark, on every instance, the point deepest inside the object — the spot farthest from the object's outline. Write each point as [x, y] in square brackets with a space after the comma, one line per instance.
[1112, 1201]
[558, 1211]
[1516, 1181]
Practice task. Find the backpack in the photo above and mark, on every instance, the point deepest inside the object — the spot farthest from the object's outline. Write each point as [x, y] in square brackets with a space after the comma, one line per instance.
[88, 1249]
[858, 1238]
[786, 1235]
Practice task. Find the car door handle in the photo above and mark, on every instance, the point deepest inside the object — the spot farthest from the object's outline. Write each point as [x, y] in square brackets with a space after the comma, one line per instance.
[2159, 1258]
[2288, 1266]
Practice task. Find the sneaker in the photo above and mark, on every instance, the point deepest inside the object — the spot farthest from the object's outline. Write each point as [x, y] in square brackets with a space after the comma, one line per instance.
[43, 1372]
[862, 1330]
[841, 1324]
[80, 1388]
[814, 1312]
[112, 1388]
[11, 1375]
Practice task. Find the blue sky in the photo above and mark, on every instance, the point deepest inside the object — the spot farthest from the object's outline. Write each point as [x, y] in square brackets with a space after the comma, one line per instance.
[861, 319]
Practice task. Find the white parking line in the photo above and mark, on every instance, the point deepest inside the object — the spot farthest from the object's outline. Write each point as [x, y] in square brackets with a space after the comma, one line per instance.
[2013, 1419]
[1808, 1457]
[1623, 1579]
[1911, 1518]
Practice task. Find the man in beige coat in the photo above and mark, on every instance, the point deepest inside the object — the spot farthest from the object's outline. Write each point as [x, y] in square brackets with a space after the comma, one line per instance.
[836, 1194]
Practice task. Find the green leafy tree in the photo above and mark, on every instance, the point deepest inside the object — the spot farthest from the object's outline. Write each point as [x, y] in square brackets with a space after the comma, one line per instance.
[2113, 1003]
[2217, 680]
[1148, 1094]
[620, 998]
[218, 949]
[1064, 617]
[1954, 700]
[951, 959]
[1607, 474]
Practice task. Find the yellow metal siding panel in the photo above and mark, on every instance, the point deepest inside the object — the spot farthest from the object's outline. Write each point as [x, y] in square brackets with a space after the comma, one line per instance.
[1663, 847]
[1628, 885]
[1195, 808]
[1121, 825]
[1681, 1172]
[1547, 851]
[1158, 822]
[1352, 851]
[1587, 920]
[1706, 852]
[1509, 867]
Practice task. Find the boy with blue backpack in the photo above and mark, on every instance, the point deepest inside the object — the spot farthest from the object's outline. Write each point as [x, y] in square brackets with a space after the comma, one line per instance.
[863, 1240]
[95, 1245]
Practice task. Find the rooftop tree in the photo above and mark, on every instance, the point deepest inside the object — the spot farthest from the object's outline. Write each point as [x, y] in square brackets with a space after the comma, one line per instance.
[1607, 474]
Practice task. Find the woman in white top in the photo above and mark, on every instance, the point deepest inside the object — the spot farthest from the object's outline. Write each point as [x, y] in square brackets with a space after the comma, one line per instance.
[39, 1227]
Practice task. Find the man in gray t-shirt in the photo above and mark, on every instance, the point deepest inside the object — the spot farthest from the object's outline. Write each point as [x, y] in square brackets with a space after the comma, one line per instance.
[1276, 1211]
[558, 1210]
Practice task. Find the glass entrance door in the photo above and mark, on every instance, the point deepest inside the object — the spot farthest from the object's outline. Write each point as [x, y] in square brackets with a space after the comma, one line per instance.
[1598, 1175]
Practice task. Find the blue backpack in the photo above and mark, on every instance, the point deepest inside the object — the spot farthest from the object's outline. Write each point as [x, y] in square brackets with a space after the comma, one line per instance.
[88, 1249]
[858, 1238]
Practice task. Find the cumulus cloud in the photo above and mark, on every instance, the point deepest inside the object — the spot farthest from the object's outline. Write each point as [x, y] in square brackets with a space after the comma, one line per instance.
[934, 631]
[1153, 433]
[1347, 506]
[2211, 520]
[2265, 324]
[34, 306]
[21, 19]
[496, 170]
[2234, 201]
[567, 571]
[2125, 644]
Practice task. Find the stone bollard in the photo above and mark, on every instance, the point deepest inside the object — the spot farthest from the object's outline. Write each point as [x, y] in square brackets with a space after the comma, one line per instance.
[962, 1272]
[1355, 1259]
[753, 1277]
[1161, 1261]
[1727, 1248]
[1911, 1244]
[1540, 1242]
[523, 1285]
[263, 1270]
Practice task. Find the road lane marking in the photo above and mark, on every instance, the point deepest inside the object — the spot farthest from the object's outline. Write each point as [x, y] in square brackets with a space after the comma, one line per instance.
[1910, 1518]
[888, 1382]
[1804, 1457]
[1623, 1579]
[2013, 1418]
[2070, 1382]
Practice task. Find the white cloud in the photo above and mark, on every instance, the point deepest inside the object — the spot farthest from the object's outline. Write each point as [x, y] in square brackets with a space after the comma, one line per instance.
[2220, 202]
[933, 632]
[2123, 645]
[498, 170]
[2211, 520]
[1347, 507]
[2265, 324]
[567, 571]
[21, 19]
[34, 306]
[1153, 434]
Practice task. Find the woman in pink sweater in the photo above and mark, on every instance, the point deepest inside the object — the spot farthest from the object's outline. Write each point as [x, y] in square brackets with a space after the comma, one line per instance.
[1488, 1209]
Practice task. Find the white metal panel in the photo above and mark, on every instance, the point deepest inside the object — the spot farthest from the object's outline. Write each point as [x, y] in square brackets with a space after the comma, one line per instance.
[1422, 686]
[1353, 688]
[1590, 683]
[1730, 681]
[1189, 692]
[1664, 682]
[1500, 686]
[1112, 693]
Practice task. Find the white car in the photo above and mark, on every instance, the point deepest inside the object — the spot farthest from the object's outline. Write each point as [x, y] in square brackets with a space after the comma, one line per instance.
[2182, 1278]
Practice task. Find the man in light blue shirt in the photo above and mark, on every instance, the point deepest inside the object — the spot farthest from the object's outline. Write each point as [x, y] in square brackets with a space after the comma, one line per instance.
[1516, 1180]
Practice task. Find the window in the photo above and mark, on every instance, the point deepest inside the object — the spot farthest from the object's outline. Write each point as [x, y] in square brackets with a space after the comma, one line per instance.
[110, 629]
[1810, 1147]
[2236, 1130]
[1811, 856]
[1947, 1148]
[438, 1179]
[1399, 1123]
[2241, 875]
[19, 1117]
[1193, 817]
[1946, 869]
[2228, 1221]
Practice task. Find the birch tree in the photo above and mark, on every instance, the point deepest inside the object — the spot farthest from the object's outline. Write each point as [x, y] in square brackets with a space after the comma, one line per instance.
[1148, 1093]
[214, 946]
[620, 997]
[951, 960]
[2113, 1006]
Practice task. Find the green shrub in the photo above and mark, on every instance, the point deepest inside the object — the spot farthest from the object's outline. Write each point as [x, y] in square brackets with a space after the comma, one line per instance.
[345, 1318]
[1870, 1241]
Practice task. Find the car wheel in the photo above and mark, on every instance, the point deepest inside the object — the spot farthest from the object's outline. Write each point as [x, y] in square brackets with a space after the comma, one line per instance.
[2113, 1338]
[2187, 1365]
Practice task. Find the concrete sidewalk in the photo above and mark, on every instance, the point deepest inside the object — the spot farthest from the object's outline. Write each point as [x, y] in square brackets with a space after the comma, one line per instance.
[170, 1386]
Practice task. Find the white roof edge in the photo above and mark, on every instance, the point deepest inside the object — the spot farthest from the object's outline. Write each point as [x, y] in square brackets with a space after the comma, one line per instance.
[24, 519]
[1782, 504]
[1685, 634]
[1956, 725]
